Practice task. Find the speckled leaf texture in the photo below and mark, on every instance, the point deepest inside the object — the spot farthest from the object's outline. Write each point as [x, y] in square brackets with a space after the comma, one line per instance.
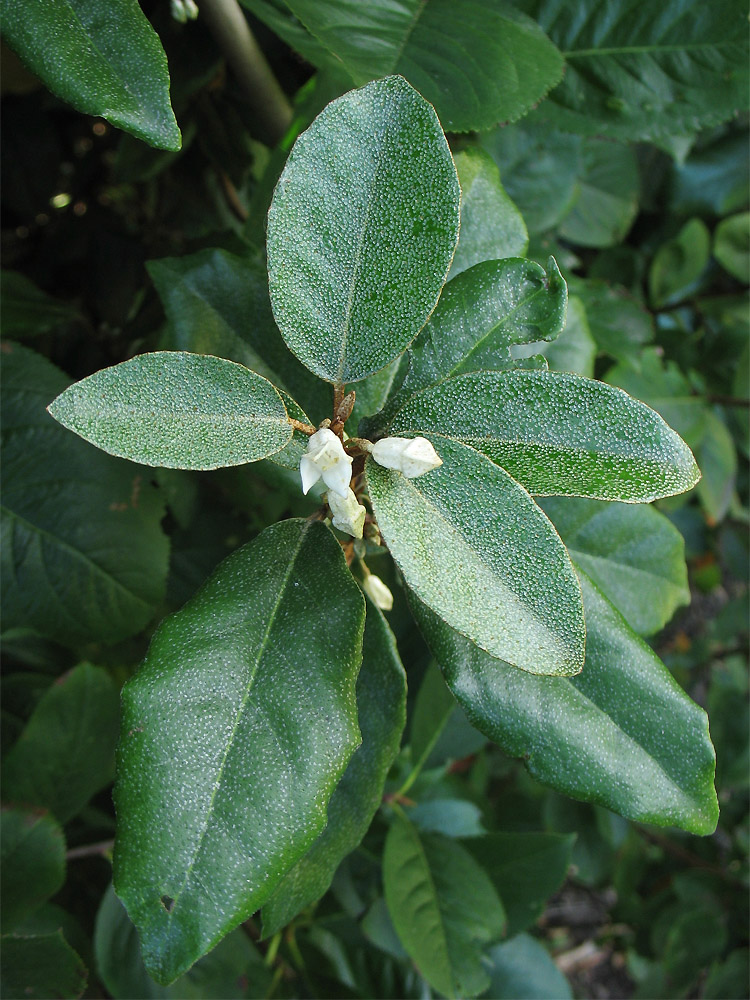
[481, 312]
[640, 71]
[478, 62]
[235, 732]
[556, 434]
[443, 906]
[632, 552]
[622, 733]
[179, 410]
[361, 230]
[84, 558]
[381, 706]
[102, 56]
[475, 547]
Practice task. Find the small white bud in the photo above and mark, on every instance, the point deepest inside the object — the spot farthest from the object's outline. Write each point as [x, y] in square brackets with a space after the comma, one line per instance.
[191, 9]
[326, 458]
[378, 593]
[411, 456]
[178, 11]
[348, 514]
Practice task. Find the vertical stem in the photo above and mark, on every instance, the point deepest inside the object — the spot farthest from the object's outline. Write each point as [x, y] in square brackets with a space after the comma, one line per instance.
[259, 86]
[338, 397]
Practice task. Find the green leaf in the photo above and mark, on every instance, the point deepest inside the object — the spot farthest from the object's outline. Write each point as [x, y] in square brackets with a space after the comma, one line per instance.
[102, 56]
[618, 323]
[636, 73]
[573, 351]
[522, 969]
[475, 547]
[66, 753]
[234, 969]
[678, 264]
[714, 179]
[439, 730]
[32, 850]
[362, 230]
[622, 733]
[556, 434]
[606, 202]
[184, 411]
[220, 796]
[443, 907]
[732, 246]
[381, 707]
[491, 226]
[478, 65]
[217, 303]
[451, 817]
[718, 458]
[84, 557]
[526, 869]
[40, 966]
[28, 311]
[634, 555]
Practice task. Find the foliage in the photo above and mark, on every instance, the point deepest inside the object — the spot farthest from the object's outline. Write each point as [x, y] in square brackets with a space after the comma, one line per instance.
[517, 247]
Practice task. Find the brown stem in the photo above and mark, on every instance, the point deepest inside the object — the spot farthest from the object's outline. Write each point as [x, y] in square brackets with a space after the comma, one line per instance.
[299, 426]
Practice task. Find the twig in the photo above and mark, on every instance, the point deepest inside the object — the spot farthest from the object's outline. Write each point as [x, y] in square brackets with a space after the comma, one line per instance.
[728, 400]
[90, 850]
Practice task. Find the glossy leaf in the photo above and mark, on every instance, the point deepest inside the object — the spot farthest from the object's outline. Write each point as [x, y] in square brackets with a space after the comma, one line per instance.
[732, 246]
[645, 73]
[606, 201]
[491, 226]
[622, 733]
[102, 56]
[526, 869]
[678, 264]
[556, 434]
[634, 555]
[32, 850]
[84, 557]
[476, 548]
[443, 907]
[39, 966]
[372, 171]
[522, 969]
[381, 708]
[223, 794]
[66, 752]
[183, 411]
[574, 350]
[478, 65]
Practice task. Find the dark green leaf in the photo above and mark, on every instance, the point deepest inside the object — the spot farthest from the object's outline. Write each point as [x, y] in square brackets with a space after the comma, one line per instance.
[522, 969]
[679, 263]
[714, 179]
[732, 246]
[621, 733]
[526, 869]
[556, 434]
[32, 850]
[475, 547]
[184, 411]
[645, 73]
[634, 555]
[718, 458]
[84, 556]
[362, 230]
[443, 907]
[480, 64]
[606, 202]
[618, 323]
[102, 56]
[491, 226]
[439, 729]
[451, 817]
[28, 311]
[221, 794]
[728, 980]
[41, 966]
[573, 351]
[381, 707]
[66, 753]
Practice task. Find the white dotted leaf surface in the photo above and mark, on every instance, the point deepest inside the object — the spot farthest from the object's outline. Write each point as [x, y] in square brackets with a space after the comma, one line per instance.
[179, 410]
[622, 733]
[557, 434]
[476, 548]
[361, 230]
[381, 707]
[235, 732]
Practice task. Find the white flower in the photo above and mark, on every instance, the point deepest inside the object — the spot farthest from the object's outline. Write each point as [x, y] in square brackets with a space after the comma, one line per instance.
[348, 514]
[326, 457]
[378, 593]
[411, 456]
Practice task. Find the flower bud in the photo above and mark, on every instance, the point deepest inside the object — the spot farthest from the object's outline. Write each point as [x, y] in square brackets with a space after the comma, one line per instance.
[411, 456]
[326, 457]
[378, 593]
[348, 514]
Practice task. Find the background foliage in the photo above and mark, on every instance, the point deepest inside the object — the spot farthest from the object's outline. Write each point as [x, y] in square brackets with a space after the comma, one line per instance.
[615, 141]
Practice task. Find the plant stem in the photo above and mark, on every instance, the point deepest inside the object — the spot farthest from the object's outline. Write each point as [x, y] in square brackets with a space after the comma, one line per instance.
[299, 426]
[90, 850]
[251, 70]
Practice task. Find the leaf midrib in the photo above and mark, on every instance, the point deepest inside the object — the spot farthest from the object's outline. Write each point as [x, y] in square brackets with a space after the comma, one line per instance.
[647, 49]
